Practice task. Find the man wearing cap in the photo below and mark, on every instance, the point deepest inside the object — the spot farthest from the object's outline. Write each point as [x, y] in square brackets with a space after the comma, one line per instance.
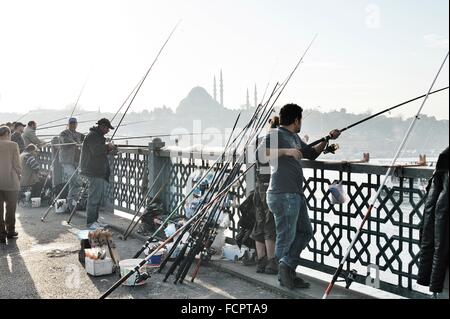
[17, 136]
[69, 157]
[94, 166]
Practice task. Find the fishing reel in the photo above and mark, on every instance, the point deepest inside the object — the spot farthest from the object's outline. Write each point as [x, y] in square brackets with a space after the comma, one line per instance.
[141, 277]
[331, 148]
[349, 279]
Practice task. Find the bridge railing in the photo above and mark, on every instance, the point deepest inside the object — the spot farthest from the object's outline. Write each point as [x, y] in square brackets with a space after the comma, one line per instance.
[386, 255]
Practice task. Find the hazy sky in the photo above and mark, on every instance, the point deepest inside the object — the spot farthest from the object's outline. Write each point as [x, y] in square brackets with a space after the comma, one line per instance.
[368, 54]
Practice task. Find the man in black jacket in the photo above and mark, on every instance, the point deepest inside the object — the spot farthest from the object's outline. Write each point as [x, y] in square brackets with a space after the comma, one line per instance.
[434, 245]
[94, 166]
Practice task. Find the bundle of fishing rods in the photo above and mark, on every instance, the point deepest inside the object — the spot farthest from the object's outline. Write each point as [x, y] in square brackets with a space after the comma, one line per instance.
[203, 225]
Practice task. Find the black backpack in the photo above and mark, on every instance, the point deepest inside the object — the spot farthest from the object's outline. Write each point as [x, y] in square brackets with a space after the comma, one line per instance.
[246, 222]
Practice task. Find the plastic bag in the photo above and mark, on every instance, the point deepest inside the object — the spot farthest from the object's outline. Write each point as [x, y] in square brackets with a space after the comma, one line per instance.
[338, 195]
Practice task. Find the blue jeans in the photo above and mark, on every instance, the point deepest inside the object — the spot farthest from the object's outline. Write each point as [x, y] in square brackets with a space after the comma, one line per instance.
[293, 226]
[95, 197]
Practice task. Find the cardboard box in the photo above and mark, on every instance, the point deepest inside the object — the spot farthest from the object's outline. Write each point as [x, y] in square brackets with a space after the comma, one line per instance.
[99, 267]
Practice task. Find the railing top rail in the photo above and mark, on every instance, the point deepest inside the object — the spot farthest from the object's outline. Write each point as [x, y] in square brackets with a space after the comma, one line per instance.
[405, 171]
[133, 149]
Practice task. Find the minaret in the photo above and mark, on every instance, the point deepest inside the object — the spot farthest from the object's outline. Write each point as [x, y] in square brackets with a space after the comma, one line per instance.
[256, 97]
[221, 88]
[215, 89]
[247, 105]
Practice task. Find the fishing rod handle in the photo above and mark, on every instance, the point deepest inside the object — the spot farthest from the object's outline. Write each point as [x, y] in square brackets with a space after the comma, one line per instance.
[123, 279]
[190, 261]
[176, 262]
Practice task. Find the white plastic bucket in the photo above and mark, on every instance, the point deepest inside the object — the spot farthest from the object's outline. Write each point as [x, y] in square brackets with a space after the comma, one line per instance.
[60, 206]
[35, 202]
[232, 252]
[126, 266]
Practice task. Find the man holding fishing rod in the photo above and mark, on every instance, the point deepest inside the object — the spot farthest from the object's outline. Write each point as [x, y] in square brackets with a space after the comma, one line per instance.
[94, 166]
[285, 197]
[69, 157]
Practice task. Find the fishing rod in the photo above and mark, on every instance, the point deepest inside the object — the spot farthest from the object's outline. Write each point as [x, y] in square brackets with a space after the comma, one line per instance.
[327, 138]
[81, 193]
[82, 122]
[59, 195]
[192, 230]
[144, 198]
[218, 175]
[23, 116]
[160, 135]
[380, 188]
[208, 225]
[73, 110]
[124, 102]
[149, 240]
[145, 260]
[59, 125]
[218, 160]
[52, 165]
[143, 80]
[163, 186]
[199, 244]
[78, 99]
[63, 118]
[197, 237]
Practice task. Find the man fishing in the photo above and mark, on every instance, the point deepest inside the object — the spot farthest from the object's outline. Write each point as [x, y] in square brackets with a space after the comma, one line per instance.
[94, 166]
[285, 197]
[69, 157]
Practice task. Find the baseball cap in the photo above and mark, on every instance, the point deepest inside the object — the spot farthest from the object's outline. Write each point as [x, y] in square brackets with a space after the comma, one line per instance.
[17, 124]
[105, 122]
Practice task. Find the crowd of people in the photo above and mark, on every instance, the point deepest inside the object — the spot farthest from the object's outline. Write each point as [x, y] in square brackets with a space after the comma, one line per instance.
[80, 156]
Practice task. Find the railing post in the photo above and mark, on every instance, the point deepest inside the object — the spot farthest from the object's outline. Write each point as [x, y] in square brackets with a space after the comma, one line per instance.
[155, 163]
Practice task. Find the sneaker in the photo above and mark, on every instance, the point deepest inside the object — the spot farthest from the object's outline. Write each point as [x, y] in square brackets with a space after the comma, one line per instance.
[2, 240]
[272, 267]
[285, 276]
[12, 235]
[261, 265]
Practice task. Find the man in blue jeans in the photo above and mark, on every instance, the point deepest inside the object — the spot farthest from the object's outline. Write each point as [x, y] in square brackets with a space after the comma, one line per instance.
[285, 197]
[94, 166]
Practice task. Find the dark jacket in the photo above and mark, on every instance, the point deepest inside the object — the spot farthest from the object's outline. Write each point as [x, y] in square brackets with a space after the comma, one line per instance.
[17, 137]
[94, 160]
[434, 244]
